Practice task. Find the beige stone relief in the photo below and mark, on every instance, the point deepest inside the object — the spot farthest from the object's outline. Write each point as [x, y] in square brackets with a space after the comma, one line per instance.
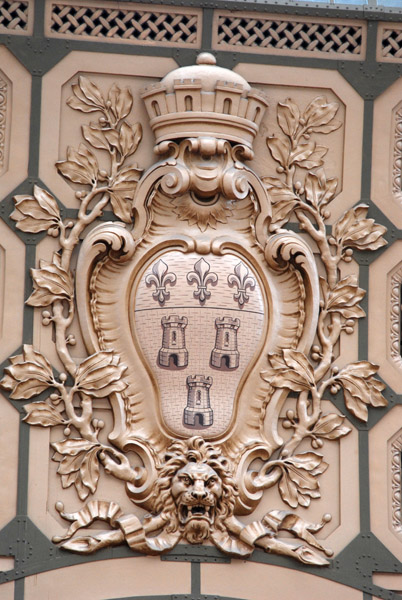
[17, 17]
[15, 93]
[243, 31]
[396, 467]
[3, 123]
[211, 339]
[397, 157]
[385, 495]
[387, 141]
[131, 23]
[395, 319]
[385, 303]
[389, 38]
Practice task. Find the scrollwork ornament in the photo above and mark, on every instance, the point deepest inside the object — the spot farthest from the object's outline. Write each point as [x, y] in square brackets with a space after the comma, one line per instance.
[198, 216]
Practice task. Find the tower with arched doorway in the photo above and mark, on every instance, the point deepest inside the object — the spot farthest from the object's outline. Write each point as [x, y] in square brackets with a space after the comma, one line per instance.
[225, 354]
[198, 410]
[173, 351]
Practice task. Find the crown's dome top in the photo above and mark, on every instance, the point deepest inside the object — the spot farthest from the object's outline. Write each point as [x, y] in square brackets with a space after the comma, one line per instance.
[207, 72]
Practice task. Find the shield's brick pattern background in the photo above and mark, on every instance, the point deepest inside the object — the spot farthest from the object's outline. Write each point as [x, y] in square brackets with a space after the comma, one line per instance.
[200, 336]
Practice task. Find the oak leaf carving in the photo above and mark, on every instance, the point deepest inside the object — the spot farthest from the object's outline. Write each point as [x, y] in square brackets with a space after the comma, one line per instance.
[299, 481]
[100, 375]
[87, 96]
[360, 388]
[343, 298]
[121, 101]
[279, 149]
[354, 230]
[79, 465]
[290, 370]
[308, 156]
[51, 282]
[95, 136]
[42, 413]
[36, 213]
[30, 374]
[288, 116]
[81, 166]
[319, 190]
[283, 200]
[122, 192]
[318, 116]
[130, 137]
[330, 427]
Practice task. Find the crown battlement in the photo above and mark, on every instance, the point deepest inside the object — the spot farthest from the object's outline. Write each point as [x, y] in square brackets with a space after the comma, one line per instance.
[174, 320]
[227, 322]
[199, 380]
[204, 100]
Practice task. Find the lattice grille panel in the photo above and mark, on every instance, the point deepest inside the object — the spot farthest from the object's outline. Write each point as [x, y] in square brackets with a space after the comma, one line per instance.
[250, 32]
[131, 25]
[14, 15]
[391, 43]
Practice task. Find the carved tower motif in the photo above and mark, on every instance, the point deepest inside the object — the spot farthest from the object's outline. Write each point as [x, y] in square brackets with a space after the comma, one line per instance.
[225, 353]
[173, 348]
[198, 410]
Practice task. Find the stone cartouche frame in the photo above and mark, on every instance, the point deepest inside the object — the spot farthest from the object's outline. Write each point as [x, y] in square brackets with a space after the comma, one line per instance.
[200, 242]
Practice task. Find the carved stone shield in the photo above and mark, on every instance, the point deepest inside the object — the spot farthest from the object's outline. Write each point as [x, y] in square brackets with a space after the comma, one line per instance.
[199, 322]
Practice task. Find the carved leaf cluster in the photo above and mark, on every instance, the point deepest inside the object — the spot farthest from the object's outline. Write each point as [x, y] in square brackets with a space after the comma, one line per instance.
[290, 370]
[299, 481]
[354, 230]
[113, 134]
[360, 388]
[343, 298]
[317, 118]
[30, 374]
[36, 213]
[51, 282]
[100, 375]
[330, 427]
[43, 414]
[81, 166]
[79, 465]
[319, 190]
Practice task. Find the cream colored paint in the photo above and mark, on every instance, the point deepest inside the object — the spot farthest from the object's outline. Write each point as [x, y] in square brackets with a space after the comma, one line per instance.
[380, 312]
[19, 112]
[9, 461]
[380, 437]
[124, 577]
[382, 158]
[253, 581]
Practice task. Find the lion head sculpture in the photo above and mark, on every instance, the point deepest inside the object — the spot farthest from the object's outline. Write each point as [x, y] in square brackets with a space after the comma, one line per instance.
[195, 491]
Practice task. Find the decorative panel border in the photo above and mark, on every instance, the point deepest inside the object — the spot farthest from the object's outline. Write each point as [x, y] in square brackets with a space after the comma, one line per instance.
[296, 36]
[385, 441]
[396, 449]
[389, 42]
[16, 17]
[4, 92]
[144, 24]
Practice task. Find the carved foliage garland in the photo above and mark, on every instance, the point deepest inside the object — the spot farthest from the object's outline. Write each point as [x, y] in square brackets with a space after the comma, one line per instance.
[195, 488]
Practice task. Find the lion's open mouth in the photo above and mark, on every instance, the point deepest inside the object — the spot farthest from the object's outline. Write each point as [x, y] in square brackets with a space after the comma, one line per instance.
[196, 511]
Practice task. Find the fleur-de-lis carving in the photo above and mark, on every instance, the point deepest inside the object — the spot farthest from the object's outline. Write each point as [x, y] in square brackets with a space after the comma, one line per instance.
[202, 277]
[241, 279]
[160, 278]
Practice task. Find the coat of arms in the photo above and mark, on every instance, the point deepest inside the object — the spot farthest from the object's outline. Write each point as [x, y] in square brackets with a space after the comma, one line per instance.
[201, 312]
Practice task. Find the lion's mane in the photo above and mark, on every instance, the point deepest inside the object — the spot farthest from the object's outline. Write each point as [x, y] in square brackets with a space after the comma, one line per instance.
[180, 453]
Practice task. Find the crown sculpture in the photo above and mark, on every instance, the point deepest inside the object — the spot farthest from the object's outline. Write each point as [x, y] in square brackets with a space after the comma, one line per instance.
[199, 309]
